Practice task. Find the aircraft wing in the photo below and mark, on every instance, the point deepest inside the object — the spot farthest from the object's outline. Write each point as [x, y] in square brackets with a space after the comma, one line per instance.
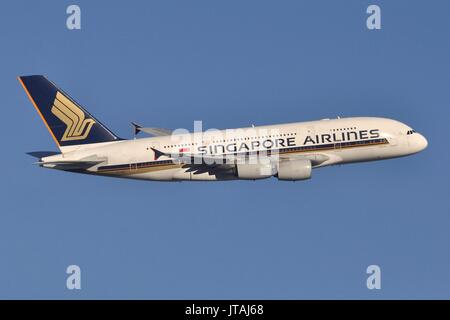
[157, 132]
[228, 161]
[197, 159]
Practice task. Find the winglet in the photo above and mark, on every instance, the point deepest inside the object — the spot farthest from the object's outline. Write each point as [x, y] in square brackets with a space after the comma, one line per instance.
[137, 128]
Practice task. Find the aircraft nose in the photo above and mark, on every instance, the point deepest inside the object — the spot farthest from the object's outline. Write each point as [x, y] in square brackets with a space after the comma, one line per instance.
[420, 142]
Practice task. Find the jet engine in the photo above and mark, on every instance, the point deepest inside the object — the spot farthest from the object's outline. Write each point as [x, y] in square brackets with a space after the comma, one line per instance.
[292, 170]
[254, 171]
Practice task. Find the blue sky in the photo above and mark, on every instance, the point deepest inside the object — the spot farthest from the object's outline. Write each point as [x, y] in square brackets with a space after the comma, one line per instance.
[229, 64]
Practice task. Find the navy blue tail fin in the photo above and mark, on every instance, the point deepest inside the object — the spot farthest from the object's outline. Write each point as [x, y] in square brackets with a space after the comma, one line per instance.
[67, 121]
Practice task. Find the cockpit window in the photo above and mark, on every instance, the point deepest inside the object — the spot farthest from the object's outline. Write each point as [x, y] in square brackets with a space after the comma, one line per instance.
[410, 132]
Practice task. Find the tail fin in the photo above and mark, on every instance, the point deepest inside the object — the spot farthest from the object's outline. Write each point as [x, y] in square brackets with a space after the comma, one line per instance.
[68, 123]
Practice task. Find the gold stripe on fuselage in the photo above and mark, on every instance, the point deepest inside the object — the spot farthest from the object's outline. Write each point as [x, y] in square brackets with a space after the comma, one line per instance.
[133, 170]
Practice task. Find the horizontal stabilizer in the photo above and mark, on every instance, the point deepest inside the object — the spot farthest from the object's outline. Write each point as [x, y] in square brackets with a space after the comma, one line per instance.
[42, 154]
[68, 165]
[83, 163]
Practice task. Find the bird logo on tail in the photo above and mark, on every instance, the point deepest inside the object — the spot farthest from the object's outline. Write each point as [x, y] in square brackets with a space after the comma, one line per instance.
[77, 127]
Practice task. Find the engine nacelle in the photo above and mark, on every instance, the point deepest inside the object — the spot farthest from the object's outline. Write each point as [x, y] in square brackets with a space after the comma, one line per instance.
[293, 170]
[254, 171]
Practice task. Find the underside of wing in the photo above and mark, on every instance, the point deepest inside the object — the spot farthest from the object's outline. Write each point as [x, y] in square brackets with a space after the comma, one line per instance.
[197, 159]
[210, 169]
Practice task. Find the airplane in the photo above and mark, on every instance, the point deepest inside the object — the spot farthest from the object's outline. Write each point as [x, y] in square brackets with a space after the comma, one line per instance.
[288, 152]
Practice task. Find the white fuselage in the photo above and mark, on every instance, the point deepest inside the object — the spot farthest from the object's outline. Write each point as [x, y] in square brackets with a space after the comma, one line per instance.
[325, 142]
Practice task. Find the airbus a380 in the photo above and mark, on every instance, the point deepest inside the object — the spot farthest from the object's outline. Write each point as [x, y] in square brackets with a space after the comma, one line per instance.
[285, 151]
